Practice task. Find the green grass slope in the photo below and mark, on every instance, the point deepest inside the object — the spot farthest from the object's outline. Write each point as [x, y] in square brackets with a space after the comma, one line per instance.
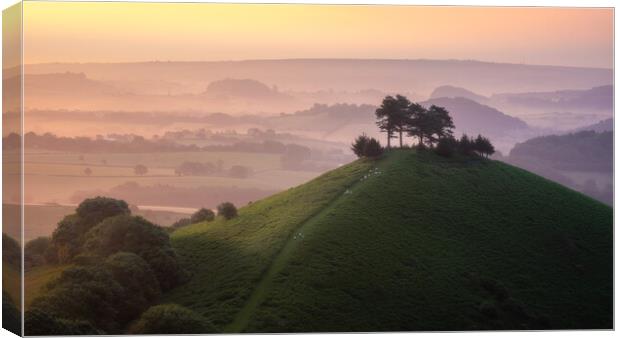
[410, 242]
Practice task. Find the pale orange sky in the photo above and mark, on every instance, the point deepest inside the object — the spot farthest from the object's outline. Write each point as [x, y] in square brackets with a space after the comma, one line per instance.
[117, 32]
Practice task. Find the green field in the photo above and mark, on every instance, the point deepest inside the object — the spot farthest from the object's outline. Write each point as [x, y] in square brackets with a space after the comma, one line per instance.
[36, 278]
[411, 242]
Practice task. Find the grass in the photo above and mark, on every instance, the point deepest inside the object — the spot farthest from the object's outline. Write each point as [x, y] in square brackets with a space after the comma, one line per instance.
[11, 282]
[420, 243]
[36, 278]
[227, 258]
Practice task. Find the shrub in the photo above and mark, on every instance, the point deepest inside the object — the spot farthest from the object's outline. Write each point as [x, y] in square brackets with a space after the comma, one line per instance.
[36, 250]
[11, 251]
[365, 146]
[227, 210]
[181, 223]
[446, 147]
[84, 293]
[137, 235]
[94, 210]
[171, 319]
[202, 215]
[141, 288]
[40, 323]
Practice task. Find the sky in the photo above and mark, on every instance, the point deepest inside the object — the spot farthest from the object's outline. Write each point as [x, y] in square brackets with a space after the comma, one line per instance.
[133, 32]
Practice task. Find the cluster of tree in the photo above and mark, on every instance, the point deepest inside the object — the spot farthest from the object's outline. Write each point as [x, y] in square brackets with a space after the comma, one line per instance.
[189, 168]
[398, 115]
[137, 144]
[226, 210]
[466, 145]
[365, 146]
[120, 265]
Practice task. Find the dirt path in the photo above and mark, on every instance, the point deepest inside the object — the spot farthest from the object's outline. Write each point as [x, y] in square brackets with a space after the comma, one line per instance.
[259, 294]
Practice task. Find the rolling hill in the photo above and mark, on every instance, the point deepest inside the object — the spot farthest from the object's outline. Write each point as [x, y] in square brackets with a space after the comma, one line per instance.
[412, 241]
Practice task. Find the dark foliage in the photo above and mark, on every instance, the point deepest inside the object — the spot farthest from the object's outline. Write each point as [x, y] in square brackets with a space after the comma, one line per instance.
[11, 252]
[181, 223]
[38, 252]
[137, 235]
[202, 215]
[365, 146]
[446, 146]
[40, 323]
[227, 210]
[11, 317]
[171, 319]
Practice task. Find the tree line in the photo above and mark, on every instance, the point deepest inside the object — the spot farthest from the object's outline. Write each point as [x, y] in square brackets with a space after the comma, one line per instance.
[432, 127]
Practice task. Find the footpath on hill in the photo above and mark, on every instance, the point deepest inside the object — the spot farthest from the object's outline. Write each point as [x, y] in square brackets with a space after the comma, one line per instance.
[260, 291]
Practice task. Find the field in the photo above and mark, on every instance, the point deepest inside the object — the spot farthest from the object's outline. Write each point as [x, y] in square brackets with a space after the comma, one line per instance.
[55, 176]
[412, 242]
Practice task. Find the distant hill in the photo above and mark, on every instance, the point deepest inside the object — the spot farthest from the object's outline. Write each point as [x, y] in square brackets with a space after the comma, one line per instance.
[599, 127]
[598, 99]
[349, 74]
[581, 160]
[472, 117]
[453, 92]
[411, 242]
[243, 89]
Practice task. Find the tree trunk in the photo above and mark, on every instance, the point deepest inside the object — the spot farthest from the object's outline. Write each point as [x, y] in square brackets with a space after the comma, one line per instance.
[389, 135]
[401, 138]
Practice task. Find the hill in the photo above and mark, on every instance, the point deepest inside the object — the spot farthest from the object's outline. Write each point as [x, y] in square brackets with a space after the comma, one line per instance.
[472, 117]
[410, 242]
[348, 74]
[452, 92]
[599, 127]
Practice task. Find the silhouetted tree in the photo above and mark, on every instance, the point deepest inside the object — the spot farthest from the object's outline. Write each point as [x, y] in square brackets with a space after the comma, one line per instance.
[181, 223]
[203, 215]
[483, 146]
[365, 146]
[171, 319]
[227, 210]
[466, 145]
[446, 146]
[417, 122]
[438, 124]
[402, 116]
[140, 170]
[388, 117]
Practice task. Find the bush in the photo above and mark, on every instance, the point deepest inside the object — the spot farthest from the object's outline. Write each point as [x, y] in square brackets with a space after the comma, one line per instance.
[446, 147]
[84, 293]
[69, 235]
[365, 146]
[227, 210]
[94, 210]
[203, 215]
[39, 323]
[181, 223]
[171, 319]
[36, 251]
[137, 235]
[11, 251]
[141, 288]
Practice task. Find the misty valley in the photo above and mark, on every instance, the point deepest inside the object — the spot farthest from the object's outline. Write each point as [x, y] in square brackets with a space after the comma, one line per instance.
[241, 198]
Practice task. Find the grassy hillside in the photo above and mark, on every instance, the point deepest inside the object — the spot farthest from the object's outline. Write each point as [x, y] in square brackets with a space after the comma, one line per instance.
[411, 242]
